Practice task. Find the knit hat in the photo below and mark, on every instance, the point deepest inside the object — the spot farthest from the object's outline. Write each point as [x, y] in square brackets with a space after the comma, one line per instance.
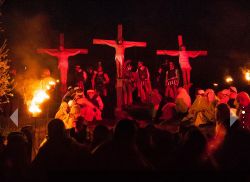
[233, 89]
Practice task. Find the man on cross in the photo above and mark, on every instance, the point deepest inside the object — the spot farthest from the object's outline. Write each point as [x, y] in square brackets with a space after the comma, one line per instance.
[183, 59]
[62, 55]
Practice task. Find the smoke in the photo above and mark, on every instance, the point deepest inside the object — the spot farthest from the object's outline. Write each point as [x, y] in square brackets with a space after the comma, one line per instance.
[30, 33]
[26, 35]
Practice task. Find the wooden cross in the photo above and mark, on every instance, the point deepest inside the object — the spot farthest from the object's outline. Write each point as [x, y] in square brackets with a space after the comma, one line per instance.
[62, 55]
[183, 59]
[120, 45]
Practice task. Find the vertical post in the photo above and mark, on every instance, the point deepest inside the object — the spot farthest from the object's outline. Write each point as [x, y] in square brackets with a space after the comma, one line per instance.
[61, 40]
[119, 82]
[119, 33]
[180, 42]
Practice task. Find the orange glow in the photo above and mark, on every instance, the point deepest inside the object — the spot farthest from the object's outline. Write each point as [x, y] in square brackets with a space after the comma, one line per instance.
[34, 108]
[229, 79]
[39, 96]
[48, 87]
[247, 75]
[52, 83]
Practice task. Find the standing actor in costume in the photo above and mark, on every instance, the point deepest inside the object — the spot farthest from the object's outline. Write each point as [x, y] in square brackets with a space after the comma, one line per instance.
[159, 78]
[143, 82]
[172, 81]
[100, 81]
[184, 56]
[80, 77]
[128, 83]
[88, 82]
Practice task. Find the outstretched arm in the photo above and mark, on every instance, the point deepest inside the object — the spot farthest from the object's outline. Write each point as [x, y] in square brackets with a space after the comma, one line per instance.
[110, 43]
[194, 54]
[73, 52]
[52, 52]
[167, 52]
[128, 44]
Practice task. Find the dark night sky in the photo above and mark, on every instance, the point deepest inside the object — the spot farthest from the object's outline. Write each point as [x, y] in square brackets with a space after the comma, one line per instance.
[221, 27]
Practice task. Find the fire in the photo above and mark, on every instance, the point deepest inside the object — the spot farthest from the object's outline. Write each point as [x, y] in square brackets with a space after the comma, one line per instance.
[52, 83]
[229, 79]
[40, 95]
[34, 108]
[247, 75]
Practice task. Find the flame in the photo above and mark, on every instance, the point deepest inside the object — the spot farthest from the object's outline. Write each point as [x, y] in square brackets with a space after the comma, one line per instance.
[247, 75]
[52, 83]
[48, 87]
[34, 108]
[229, 79]
[39, 96]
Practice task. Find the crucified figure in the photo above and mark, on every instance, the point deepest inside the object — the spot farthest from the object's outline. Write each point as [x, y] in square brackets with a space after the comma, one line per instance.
[120, 45]
[184, 56]
[62, 55]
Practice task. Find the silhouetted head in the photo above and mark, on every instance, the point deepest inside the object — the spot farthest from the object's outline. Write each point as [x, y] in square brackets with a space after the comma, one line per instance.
[28, 132]
[125, 131]
[56, 129]
[101, 133]
[16, 138]
[17, 151]
[194, 141]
